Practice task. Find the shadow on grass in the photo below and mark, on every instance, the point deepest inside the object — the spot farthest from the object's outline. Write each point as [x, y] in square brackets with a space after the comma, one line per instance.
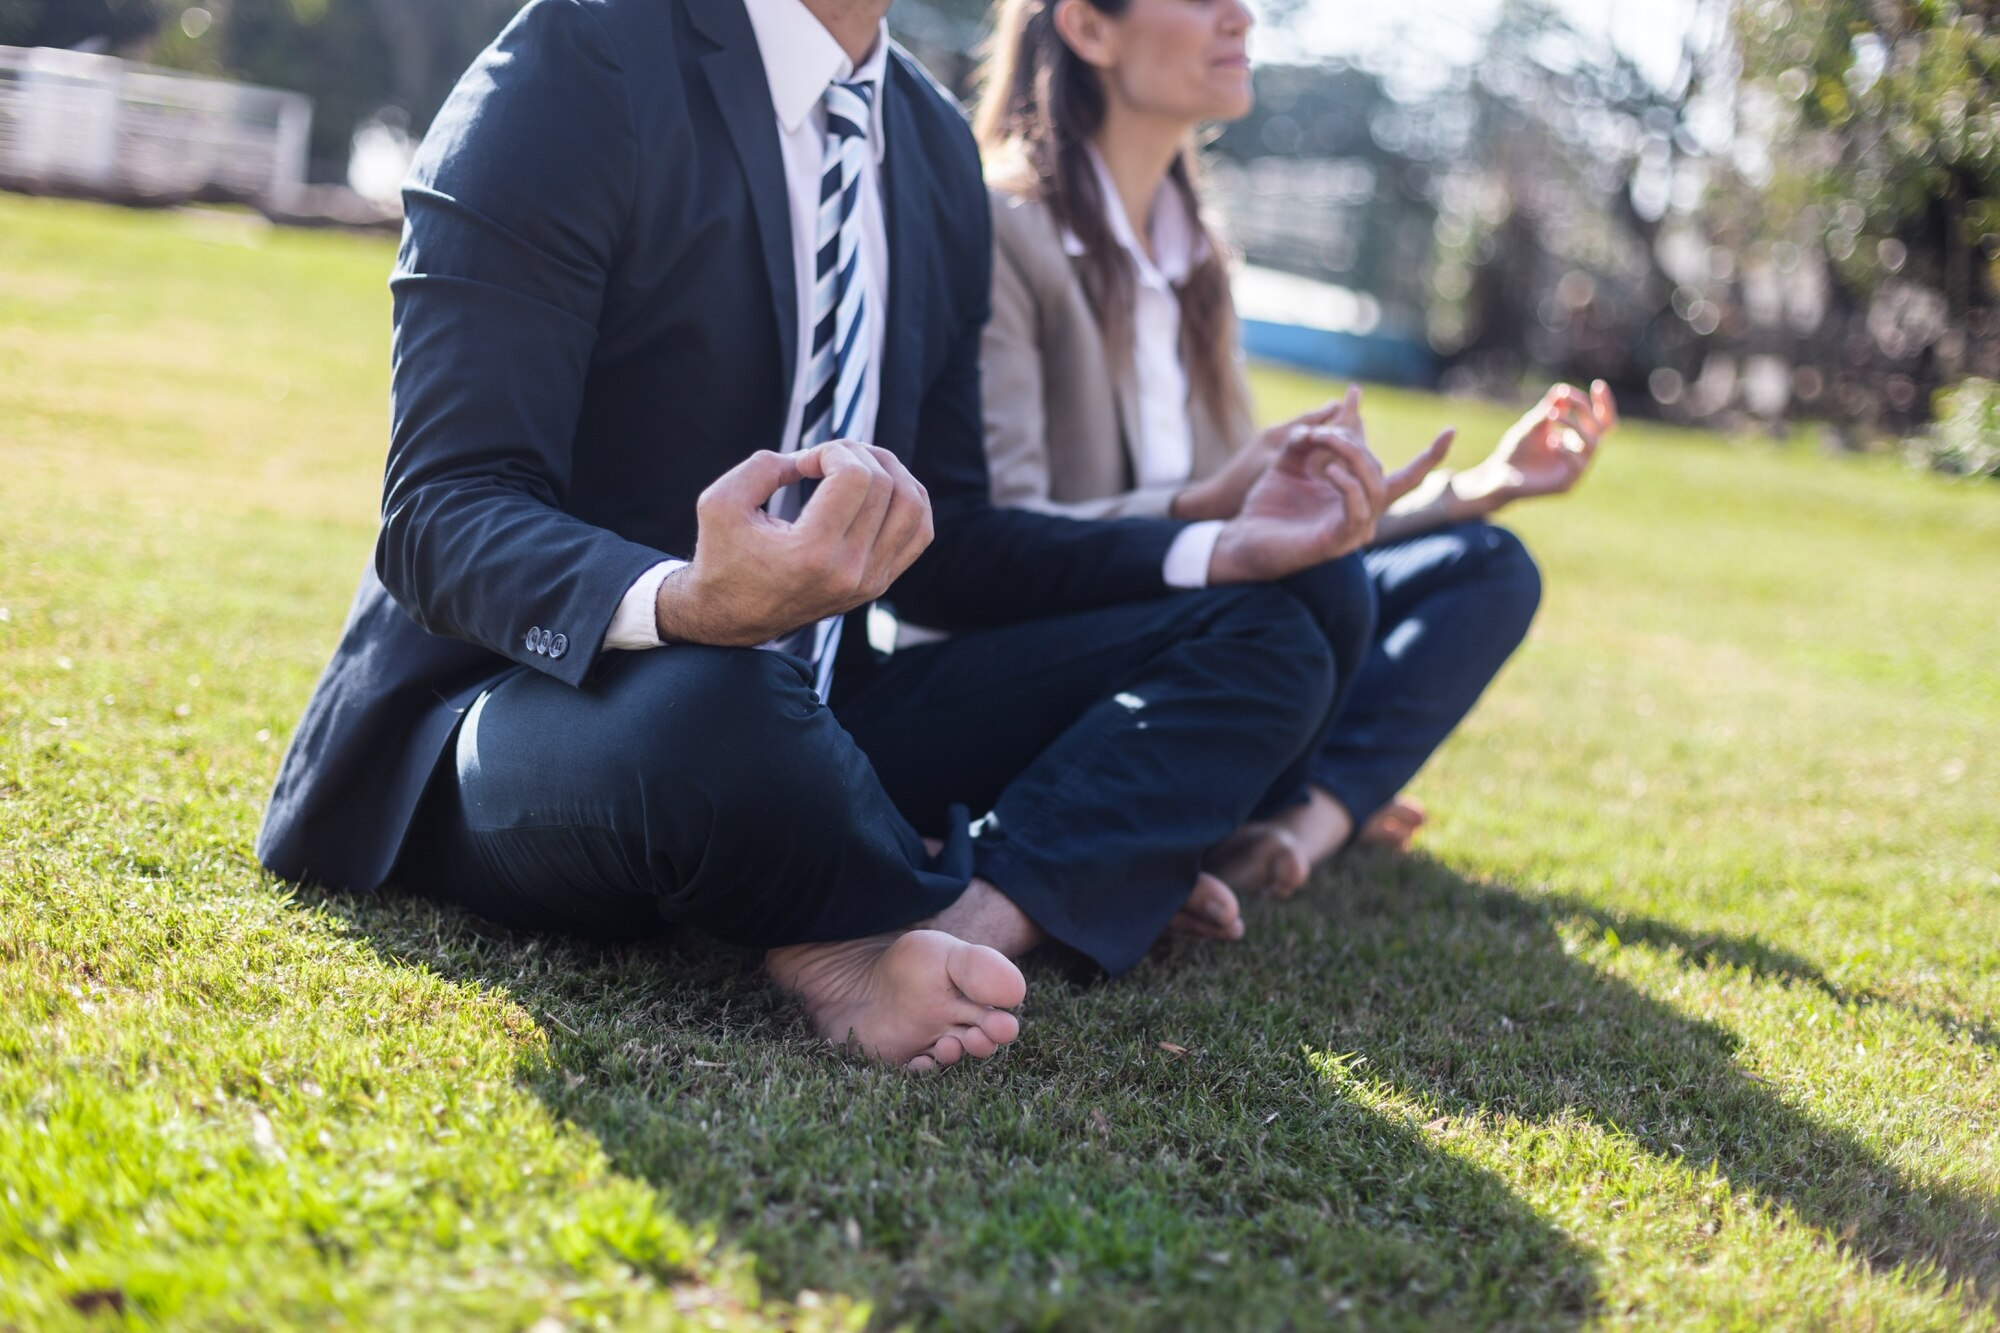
[1527, 1030]
[1093, 1175]
[1089, 1178]
[1705, 949]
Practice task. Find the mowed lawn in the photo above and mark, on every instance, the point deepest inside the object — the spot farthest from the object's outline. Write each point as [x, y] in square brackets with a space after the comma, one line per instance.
[1687, 1013]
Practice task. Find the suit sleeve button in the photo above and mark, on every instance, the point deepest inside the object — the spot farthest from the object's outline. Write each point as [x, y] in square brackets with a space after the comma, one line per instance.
[559, 645]
[535, 640]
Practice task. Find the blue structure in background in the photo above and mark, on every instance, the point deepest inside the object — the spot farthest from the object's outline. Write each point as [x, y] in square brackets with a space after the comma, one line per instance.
[1375, 357]
[1329, 330]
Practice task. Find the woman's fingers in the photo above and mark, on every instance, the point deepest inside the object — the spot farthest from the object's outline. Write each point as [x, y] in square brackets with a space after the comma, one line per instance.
[1347, 412]
[1606, 404]
[1565, 397]
[1585, 424]
[1594, 415]
[1324, 413]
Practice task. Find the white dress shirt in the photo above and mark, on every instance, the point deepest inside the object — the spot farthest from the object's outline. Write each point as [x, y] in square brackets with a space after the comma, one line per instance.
[801, 60]
[1163, 437]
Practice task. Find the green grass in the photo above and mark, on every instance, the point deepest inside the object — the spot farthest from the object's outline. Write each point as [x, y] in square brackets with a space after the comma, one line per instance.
[1687, 1015]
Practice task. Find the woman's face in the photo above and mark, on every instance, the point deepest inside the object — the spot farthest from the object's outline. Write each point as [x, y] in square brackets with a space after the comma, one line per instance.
[1173, 59]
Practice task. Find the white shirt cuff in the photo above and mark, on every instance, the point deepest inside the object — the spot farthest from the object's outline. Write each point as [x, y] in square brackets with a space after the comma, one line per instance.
[636, 623]
[1188, 557]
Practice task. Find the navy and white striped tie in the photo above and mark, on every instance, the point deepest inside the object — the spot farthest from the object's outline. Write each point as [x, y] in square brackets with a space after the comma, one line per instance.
[839, 352]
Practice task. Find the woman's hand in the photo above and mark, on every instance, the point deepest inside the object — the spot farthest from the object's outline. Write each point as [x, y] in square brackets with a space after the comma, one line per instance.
[1221, 495]
[1545, 453]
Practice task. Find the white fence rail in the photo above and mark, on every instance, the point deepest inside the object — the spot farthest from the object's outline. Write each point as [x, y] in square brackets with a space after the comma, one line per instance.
[90, 121]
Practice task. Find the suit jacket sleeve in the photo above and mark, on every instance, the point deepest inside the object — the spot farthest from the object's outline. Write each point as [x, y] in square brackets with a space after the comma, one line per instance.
[1016, 404]
[515, 215]
[988, 565]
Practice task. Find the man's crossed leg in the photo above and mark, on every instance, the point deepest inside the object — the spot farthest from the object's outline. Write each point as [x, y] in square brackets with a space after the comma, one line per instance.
[709, 787]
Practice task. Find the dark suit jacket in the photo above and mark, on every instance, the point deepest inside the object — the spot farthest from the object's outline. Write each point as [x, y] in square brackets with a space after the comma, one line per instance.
[594, 318]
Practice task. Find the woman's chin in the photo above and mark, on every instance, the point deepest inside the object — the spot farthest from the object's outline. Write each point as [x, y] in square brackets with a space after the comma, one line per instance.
[1233, 96]
[1231, 108]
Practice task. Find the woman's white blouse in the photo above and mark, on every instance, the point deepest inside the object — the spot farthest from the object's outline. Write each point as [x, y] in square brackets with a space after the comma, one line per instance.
[1163, 440]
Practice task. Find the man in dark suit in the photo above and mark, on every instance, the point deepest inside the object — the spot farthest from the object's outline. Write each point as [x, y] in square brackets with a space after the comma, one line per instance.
[666, 263]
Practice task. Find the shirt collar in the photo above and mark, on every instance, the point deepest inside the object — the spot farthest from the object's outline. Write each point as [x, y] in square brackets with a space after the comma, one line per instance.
[1177, 244]
[801, 59]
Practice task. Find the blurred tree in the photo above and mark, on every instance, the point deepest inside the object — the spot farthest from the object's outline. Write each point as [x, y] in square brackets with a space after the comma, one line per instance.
[359, 59]
[68, 23]
[1897, 110]
[1556, 210]
[1877, 130]
[355, 58]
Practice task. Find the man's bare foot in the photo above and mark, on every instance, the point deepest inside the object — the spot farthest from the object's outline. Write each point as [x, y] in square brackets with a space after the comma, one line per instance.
[1393, 827]
[984, 915]
[917, 1001]
[1211, 912]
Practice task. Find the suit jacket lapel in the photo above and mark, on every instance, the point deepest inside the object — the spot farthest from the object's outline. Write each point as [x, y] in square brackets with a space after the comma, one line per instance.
[735, 72]
[905, 198]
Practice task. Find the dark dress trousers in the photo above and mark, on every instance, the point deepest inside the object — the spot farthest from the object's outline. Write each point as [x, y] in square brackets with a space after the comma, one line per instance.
[595, 318]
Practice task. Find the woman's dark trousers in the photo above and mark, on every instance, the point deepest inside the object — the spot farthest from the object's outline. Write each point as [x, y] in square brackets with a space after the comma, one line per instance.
[1448, 609]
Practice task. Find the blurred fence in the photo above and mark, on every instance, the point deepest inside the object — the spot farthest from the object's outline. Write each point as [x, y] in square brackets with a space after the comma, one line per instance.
[96, 124]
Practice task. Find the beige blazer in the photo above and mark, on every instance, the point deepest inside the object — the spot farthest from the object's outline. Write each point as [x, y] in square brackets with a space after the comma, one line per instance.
[1049, 380]
[1060, 420]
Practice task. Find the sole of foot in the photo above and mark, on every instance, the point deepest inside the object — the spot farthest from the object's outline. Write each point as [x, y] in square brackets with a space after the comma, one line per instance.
[920, 1001]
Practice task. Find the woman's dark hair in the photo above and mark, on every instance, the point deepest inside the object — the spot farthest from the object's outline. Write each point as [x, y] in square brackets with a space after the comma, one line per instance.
[1039, 105]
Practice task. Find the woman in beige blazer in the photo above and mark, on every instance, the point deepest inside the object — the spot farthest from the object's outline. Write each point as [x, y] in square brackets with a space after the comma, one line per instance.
[1113, 387]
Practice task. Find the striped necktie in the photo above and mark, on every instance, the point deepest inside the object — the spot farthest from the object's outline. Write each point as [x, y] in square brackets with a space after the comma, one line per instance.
[840, 315]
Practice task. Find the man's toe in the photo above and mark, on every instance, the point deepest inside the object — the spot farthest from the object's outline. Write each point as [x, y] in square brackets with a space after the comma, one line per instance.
[999, 1026]
[985, 976]
[977, 1044]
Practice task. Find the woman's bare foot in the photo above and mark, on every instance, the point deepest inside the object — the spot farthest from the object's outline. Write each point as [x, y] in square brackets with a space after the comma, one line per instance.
[1393, 827]
[1277, 856]
[918, 1001]
[1211, 912]
[1262, 858]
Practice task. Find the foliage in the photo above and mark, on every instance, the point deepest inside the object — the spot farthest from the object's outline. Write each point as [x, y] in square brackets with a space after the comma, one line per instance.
[1686, 1016]
[1964, 436]
[67, 23]
[1870, 145]
[1889, 117]
[1553, 208]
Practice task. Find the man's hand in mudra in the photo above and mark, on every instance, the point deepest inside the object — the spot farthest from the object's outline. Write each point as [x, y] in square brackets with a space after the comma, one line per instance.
[755, 577]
